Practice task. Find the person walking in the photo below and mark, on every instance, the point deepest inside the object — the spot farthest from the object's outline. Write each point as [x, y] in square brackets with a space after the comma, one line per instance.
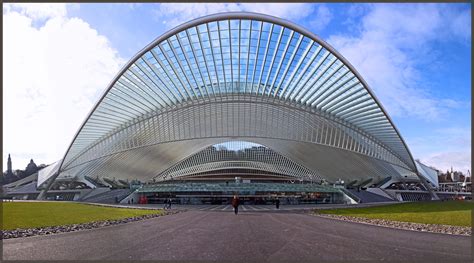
[169, 203]
[235, 204]
[277, 203]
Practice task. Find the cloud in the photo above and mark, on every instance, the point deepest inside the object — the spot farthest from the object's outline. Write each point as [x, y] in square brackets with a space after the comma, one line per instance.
[133, 6]
[53, 74]
[459, 160]
[444, 147]
[391, 48]
[37, 10]
[455, 104]
[173, 14]
[460, 25]
[321, 19]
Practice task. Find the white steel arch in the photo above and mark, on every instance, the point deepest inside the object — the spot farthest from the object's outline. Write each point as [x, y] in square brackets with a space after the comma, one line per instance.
[235, 76]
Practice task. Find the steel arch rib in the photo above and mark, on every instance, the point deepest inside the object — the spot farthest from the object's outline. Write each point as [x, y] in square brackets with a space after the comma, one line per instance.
[241, 16]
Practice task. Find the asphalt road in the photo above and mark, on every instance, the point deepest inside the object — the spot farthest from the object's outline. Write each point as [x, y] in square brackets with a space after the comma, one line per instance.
[249, 236]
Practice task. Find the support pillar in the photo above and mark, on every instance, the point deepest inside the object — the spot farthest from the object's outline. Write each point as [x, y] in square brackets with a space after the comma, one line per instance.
[427, 185]
[42, 194]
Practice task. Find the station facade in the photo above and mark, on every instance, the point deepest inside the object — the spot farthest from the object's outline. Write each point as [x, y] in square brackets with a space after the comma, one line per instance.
[238, 103]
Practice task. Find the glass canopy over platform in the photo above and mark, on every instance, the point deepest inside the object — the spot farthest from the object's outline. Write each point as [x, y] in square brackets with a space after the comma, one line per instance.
[238, 77]
[237, 158]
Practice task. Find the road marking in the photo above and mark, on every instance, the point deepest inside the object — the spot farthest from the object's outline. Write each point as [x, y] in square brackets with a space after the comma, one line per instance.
[217, 207]
[254, 208]
[244, 208]
[206, 207]
[226, 207]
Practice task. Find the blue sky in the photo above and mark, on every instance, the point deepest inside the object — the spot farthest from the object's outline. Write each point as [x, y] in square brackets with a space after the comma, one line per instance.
[415, 57]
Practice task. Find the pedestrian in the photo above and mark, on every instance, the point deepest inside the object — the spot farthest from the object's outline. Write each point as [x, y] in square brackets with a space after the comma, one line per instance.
[277, 203]
[169, 203]
[235, 204]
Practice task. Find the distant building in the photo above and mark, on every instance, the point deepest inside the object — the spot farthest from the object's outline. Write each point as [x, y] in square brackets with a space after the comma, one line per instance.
[9, 165]
[9, 176]
[31, 168]
[452, 176]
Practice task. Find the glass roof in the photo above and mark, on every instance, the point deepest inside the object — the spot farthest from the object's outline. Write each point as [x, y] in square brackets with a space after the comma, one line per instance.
[238, 154]
[252, 55]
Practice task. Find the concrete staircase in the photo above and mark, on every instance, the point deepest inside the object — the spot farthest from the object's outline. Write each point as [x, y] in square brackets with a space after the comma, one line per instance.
[368, 197]
[109, 197]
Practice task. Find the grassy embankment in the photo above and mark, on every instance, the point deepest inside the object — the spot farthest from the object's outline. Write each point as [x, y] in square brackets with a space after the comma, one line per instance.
[457, 213]
[41, 214]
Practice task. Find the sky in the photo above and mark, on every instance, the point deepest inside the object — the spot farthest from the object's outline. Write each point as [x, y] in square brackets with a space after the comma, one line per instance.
[59, 58]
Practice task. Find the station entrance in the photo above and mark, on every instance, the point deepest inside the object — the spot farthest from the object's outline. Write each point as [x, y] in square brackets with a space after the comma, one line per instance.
[218, 193]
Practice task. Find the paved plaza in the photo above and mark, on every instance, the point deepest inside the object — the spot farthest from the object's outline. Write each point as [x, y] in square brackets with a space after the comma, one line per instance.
[254, 208]
[256, 234]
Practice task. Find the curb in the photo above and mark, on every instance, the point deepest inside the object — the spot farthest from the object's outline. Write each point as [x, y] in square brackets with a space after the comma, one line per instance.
[51, 230]
[388, 226]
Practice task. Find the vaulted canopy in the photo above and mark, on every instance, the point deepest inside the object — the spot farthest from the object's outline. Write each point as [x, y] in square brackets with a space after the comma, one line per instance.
[238, 76]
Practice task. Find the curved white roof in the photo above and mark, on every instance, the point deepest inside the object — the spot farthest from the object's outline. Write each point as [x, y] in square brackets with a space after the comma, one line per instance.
[230, 76]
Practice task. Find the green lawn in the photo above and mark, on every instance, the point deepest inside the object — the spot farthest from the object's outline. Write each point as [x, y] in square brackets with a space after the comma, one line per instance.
[40, 214]
[457, 213]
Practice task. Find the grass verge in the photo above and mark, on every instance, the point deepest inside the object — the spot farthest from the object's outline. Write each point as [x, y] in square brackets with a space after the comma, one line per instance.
[455, 213]
[41, 214]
